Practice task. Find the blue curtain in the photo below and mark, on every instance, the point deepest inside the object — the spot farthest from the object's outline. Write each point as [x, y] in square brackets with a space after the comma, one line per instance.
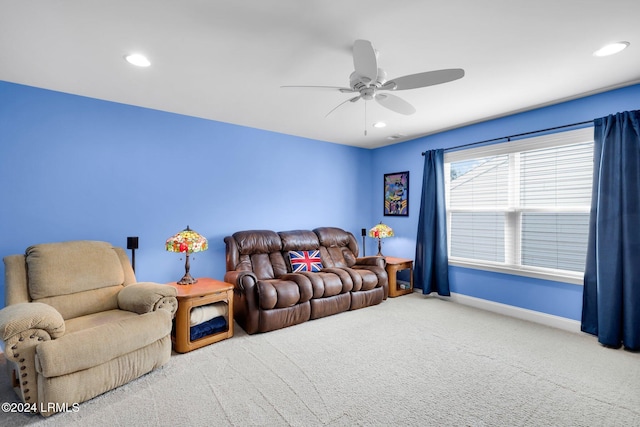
[611, 299]
[431, 272]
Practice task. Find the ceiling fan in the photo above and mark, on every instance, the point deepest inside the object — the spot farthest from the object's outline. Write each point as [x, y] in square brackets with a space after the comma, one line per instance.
[370, 82]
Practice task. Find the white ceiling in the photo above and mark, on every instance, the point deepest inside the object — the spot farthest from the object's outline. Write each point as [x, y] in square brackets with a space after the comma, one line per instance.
[226, 60]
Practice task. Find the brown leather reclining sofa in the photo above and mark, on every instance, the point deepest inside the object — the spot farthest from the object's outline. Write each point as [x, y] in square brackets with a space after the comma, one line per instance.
[269, 296]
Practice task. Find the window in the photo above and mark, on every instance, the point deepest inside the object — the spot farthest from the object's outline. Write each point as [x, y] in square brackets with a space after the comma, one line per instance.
[522, 207]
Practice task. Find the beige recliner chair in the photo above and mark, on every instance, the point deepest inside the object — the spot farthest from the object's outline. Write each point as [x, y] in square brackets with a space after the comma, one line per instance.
[77, 324]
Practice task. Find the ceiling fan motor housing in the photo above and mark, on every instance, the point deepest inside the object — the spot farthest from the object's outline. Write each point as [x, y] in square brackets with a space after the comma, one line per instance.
[367, 89]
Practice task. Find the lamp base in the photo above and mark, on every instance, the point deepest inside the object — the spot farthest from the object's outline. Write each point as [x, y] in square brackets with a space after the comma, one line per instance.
[379, 247]
[187, 280]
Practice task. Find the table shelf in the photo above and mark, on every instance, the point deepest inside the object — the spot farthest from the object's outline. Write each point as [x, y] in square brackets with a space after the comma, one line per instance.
[205, 291]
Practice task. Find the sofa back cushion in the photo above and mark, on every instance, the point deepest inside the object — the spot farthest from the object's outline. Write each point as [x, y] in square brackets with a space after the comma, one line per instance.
[260, 252]
[338, 248]
[299, 241]
[76, 277]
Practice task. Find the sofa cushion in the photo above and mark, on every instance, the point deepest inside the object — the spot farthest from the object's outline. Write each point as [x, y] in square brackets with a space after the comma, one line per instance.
[261, 266]
[330, 285]
[340, 257]
[331, 237]
[85, 302]
[88, 383]
[69, 267]
[257, 242]
[278, 294]
[305, 261]
[369, 279]
[338, 248]
[299, 240]
[260, 252]
[90, 347]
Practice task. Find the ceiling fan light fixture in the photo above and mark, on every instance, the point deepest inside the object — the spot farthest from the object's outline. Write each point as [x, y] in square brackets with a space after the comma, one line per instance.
[611, 49]
[137, 59]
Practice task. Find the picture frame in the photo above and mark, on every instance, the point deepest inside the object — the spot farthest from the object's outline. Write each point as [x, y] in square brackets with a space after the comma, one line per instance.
[396, 194]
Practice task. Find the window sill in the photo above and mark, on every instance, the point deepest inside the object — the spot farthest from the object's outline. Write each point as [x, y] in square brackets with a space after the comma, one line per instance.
[567, 277]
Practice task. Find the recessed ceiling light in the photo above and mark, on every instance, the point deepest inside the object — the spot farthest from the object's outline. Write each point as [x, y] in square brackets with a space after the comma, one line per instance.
[379, 124]
[611, 49]
[137, 60]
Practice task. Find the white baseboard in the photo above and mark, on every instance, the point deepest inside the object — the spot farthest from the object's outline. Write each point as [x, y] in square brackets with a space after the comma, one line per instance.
[517, 312]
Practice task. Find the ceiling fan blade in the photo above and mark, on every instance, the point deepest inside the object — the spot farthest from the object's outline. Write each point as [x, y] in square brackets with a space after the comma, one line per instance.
[354, 99]
[395, 103]
[364, 61]
[428, 78]
[332, 88]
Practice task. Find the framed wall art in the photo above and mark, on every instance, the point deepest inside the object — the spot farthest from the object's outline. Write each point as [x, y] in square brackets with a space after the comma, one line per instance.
[396, 194]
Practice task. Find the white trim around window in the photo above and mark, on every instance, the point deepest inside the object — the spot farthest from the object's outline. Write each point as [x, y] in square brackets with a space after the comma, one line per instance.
[522, 207]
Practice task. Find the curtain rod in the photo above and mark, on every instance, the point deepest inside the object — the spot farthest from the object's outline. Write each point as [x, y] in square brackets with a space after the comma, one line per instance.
[508, 138]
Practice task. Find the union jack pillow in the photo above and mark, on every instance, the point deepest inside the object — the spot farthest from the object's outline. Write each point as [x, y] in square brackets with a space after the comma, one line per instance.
[305, 261]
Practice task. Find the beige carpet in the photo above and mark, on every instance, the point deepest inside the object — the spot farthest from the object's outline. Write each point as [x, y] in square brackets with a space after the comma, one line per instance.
[410, 361]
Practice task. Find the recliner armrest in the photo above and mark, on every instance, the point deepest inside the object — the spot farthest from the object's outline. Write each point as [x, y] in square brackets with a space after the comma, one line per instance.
[23, 327]
[241, 279]
[144, 297]
[18, 318]
[378, 261]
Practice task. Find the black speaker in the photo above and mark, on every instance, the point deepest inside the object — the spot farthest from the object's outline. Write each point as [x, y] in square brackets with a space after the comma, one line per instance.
[364, 234]
[132, 243]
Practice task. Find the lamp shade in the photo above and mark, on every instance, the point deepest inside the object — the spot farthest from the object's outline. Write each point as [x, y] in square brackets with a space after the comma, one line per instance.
[381, 231]
[187, 241]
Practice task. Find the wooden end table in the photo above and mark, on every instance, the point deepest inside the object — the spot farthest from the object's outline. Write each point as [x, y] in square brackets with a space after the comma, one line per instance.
[393, 266]
[204, 291]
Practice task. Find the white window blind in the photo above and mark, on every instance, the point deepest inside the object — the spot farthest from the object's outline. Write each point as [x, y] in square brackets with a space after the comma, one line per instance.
[522, 206]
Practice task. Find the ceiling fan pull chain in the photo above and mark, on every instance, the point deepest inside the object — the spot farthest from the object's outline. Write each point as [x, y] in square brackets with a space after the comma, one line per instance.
[365, 118]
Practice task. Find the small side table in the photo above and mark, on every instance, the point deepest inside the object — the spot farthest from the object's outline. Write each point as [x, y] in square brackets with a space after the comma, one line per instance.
[393, 266]
[204, 291]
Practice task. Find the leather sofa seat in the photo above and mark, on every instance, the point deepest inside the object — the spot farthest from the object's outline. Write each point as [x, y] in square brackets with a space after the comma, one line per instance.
[331, 288]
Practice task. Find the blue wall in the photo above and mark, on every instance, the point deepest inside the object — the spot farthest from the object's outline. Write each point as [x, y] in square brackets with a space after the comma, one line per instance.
[549, 297]
[78, 168]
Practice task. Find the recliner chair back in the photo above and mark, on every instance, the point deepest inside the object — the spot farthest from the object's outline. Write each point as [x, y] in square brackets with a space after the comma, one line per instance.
[258, 251]
[76, 278]
[338, 248]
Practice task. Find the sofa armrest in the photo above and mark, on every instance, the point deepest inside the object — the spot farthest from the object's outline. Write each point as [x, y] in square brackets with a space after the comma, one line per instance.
[18, 318]
[246, 310]
[378, 261]
[22, 327]
[241, 279]
[144, 297]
